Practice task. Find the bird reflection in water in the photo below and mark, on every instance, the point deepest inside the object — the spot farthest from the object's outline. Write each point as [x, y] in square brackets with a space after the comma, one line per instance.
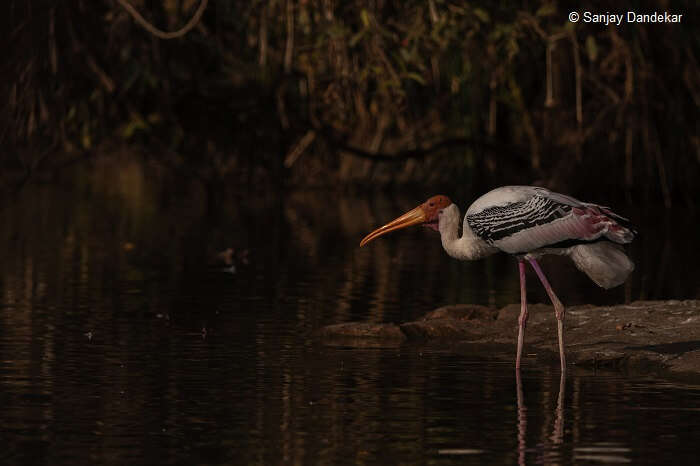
[557, 435]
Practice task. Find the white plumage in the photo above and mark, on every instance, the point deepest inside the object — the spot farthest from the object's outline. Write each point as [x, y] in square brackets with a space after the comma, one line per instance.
[604, 263]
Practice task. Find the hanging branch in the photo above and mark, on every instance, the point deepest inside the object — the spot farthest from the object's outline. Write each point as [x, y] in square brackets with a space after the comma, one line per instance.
[263, 36]
[289, 48]
[164, 34]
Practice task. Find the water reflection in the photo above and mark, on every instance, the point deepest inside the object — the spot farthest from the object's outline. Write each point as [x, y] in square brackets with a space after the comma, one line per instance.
[522, 418]
[557, 436]
[105, 290]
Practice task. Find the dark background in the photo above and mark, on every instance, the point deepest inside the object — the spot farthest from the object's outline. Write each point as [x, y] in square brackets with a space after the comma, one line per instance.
[358, 94]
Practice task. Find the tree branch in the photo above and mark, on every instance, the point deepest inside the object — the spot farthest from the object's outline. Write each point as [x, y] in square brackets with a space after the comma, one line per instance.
[417, 153]
[163, 34]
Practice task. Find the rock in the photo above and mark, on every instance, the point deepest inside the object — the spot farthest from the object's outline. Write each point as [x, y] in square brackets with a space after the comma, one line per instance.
[686, 362]
[441, 329]
[640, 335]
[362, 334]
[462, 312]
[457, 322]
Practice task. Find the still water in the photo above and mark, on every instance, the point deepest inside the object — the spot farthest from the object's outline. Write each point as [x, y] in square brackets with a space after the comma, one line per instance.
[120, 342]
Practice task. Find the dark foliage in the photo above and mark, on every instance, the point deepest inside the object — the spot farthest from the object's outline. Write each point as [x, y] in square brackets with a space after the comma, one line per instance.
[314, 92]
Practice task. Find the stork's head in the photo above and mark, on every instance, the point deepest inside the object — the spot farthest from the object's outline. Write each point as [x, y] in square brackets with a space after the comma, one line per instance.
[427, 214]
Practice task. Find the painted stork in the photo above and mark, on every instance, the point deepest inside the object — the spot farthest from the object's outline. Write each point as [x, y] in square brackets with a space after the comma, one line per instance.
[529, 222]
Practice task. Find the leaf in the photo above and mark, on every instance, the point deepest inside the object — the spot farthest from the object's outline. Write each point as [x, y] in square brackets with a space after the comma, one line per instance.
[483, 15]
[85, 138]
[591, 48]
[364, 16]
[357, 37]
[548, 9]
[405, 55]
[337, 31]
[512, 47]
[137, 123]
[416, 77]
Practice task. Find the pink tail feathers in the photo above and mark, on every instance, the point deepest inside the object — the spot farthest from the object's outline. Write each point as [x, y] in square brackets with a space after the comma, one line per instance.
[605, 263]
[602, 220]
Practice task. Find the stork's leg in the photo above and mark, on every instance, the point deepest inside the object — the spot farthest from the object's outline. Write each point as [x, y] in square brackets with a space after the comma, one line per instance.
[522, 320]
[558, 310]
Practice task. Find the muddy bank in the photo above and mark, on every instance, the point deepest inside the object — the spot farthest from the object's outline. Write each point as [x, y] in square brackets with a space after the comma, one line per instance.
[642, 334]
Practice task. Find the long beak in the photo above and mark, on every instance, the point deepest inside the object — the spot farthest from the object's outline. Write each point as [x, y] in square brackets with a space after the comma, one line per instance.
[413, 217]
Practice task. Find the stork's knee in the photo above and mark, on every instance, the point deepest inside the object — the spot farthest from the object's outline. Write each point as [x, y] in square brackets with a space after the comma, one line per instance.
[522, 320]
[559, 312]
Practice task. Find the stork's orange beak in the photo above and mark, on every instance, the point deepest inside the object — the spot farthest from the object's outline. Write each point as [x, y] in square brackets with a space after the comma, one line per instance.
[412, 217]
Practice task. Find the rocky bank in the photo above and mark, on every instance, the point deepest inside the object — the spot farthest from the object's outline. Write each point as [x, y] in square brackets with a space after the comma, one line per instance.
[642, 335]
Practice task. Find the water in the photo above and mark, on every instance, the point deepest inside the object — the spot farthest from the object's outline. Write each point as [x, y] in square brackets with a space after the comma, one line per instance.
[121, 344]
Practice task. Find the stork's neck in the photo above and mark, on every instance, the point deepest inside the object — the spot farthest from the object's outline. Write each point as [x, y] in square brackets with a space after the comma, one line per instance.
[468, 246]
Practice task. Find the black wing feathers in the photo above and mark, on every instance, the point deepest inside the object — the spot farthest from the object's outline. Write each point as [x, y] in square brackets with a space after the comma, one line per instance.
[498, 222]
